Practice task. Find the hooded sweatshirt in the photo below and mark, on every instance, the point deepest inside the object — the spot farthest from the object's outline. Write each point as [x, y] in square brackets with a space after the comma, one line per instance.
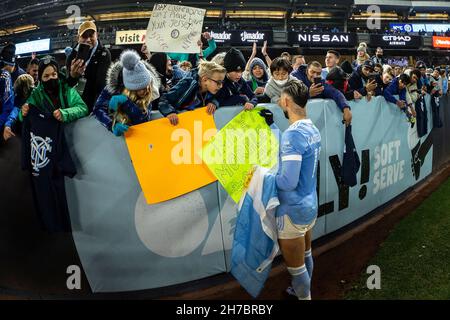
[252, 81]
[273, 90]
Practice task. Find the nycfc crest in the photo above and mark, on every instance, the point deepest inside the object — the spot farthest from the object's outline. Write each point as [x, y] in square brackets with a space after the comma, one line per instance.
[39, 149]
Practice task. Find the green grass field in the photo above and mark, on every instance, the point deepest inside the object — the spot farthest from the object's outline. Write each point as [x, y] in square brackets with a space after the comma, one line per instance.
[415, 258]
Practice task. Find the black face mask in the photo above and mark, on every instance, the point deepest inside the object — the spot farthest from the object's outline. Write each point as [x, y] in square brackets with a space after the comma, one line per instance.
[379, 55]
[51, 85]
[286, 114]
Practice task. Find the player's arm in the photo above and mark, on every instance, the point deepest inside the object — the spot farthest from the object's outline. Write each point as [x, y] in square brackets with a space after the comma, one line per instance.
[291, 161]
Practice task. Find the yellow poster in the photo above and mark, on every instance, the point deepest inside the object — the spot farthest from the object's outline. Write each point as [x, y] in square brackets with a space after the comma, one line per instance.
[244, 142]
[165, 157]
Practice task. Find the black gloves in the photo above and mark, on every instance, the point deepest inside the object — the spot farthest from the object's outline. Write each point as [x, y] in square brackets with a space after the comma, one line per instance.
[267, 115]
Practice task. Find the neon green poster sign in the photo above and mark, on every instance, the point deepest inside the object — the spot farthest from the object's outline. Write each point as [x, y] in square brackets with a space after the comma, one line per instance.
[232, 153]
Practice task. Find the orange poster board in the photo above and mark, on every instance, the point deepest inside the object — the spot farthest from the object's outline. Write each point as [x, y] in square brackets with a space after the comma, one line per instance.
[165, 157]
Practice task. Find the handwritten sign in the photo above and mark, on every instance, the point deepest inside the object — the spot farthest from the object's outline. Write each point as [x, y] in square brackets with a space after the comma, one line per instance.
[174, 28]
[244, 142]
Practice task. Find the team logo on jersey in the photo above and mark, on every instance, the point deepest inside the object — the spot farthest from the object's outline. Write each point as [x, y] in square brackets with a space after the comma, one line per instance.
[39, 149]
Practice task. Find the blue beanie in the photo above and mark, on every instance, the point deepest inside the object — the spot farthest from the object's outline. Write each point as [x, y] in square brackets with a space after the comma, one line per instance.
[136, 76]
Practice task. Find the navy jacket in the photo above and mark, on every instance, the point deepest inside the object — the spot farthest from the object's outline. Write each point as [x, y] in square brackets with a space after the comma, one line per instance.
[329, 91]
[358, 81]
[392, 90]
[234, 94]
[184, 96]
[18, 71]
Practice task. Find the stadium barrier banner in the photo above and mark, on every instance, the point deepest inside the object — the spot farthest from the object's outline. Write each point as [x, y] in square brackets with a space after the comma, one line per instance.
[126, 244]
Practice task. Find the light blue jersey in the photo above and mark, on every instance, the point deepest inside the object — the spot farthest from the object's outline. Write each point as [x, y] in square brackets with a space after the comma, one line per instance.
[297, 172]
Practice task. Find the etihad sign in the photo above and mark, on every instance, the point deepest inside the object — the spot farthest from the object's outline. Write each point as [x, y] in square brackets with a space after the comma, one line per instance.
[441, 42]
[397, 40]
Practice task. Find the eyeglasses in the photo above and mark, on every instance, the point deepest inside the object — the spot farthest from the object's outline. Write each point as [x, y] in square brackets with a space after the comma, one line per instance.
[218, 82]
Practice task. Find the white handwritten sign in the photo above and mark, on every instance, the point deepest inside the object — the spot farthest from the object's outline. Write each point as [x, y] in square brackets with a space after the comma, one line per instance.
[174, 29]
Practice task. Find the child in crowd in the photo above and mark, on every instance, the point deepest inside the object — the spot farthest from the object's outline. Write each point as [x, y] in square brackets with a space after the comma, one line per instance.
[132, 84]
[280, 70]
[197, 89]
[383, 80]
[235, 90]
[257, 75]
[398, 87]
[23, 87]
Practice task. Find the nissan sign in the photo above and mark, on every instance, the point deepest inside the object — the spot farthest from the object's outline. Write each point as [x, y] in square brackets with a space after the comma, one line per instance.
[322, 39]
[395, 41]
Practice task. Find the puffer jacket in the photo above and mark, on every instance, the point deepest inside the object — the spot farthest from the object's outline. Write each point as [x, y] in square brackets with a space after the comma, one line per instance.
[236, 93]
[114, 86]
[273, 90]
[184, 96]
[69, 102]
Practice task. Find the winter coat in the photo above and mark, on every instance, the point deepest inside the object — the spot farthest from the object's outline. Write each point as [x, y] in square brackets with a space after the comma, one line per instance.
[69, 102]
[329, 91]
[115, 86]
[185, 96]
[95, 74]
[273, 90]
[236, 93]
[392, 90]
[253, 82]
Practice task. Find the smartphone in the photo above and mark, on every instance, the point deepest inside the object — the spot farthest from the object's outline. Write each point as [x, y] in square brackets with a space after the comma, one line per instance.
[318, 80]
[372, 76]
[83, 52]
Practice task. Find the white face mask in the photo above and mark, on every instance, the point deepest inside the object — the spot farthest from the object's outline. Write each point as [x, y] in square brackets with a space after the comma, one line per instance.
[281, 82]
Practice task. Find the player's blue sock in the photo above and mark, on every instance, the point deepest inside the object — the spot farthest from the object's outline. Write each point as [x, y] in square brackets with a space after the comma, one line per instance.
[309, 262]
[301, 282]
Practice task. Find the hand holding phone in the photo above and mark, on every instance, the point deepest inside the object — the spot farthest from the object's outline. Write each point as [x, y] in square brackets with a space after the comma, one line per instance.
[83, 52]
